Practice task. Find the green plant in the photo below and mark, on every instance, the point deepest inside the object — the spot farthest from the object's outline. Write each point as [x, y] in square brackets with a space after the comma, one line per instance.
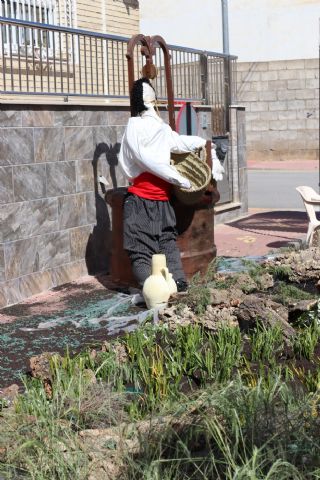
[225, 346]
[286, 293]
[41, 437]
[254, 269]
[224, 282]
[198, 297]
[3, 403]
[306, 340]
[266, 343]
[232, 432]
[280, 272]
[309, 378]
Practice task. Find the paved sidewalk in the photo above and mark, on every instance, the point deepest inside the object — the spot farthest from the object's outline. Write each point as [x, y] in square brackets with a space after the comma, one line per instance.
[287, 165]
[260, 232]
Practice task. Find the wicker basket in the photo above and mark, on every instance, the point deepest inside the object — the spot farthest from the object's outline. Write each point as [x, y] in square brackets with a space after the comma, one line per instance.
[196, 170]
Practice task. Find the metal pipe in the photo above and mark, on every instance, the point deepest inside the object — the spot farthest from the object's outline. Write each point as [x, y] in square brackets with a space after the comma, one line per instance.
[225, 26]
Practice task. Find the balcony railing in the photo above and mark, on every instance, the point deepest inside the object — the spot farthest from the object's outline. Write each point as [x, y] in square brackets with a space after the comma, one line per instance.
[43, 59]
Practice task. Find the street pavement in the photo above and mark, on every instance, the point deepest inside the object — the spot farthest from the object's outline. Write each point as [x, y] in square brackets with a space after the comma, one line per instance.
[276, 213]
[277, 189]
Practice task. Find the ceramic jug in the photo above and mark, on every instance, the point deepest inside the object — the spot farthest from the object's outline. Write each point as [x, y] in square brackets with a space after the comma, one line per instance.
[171, 283]
[155, 288]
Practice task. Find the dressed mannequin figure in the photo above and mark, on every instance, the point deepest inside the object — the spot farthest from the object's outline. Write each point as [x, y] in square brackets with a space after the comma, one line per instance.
[149, 219]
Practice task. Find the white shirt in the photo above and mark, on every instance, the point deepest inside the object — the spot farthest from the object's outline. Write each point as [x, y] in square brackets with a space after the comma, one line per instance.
[147, 144]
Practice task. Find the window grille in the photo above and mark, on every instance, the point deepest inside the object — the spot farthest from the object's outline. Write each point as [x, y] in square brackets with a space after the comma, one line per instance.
[50, 12]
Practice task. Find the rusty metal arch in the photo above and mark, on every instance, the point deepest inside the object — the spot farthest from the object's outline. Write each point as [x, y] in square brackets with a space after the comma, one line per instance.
[148, 49]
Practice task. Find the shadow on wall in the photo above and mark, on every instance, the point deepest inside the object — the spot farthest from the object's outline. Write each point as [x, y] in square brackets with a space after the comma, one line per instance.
[98, 250]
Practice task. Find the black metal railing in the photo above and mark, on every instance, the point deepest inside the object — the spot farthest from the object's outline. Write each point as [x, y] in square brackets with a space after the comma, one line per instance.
[42, 59]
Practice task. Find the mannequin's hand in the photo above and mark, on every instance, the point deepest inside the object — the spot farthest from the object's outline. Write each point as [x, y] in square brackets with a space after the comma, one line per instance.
[213, 152]
[186, 184]
[217, 168]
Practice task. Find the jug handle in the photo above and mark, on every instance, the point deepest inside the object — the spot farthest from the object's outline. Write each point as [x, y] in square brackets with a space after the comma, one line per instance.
[165, 273]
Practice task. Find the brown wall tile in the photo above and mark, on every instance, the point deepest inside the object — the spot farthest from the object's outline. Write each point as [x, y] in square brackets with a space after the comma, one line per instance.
[68, 273]
[26, 219]
[68, 117]
[16, 146]
[10, 290]
[55, 250]
[78, 143]
[85, 178]
[36, 254]
[91, 207]
[3, 298]
[35, 283]
[94, 117]
[2, 265]
[118, 117]
[79, 238]
[105, 136]
[10, 118]
[6, 185]
[48, 144]
[37, 117]
[72, 211]
[61, 178]
[29, 182]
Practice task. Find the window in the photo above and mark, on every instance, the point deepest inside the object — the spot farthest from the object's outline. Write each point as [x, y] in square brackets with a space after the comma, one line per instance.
[40, 11]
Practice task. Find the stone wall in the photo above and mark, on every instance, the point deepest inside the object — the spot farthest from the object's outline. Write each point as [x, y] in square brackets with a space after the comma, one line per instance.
[281, 99]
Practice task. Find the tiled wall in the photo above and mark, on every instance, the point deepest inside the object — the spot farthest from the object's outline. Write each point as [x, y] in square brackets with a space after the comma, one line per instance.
[55, 224]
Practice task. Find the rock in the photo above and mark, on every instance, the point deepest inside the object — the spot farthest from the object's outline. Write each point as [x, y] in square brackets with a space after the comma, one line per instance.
[246, 283]
[40, 365]
[40, 368]
[93, 354]
[215, 318]
[102, 469]
[121, 353]
[225, 297]
[269, 313]
[175, 315]
[299, 308]
[266, 281]
[118, 348]
[9, 393]
[304, 264]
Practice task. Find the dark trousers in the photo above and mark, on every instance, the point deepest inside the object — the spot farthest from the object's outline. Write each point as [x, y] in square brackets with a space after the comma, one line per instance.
[149, 227]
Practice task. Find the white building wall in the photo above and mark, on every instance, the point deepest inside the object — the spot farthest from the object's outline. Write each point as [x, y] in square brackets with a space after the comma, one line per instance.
[260, 30]
[264, 30]
[191, 23]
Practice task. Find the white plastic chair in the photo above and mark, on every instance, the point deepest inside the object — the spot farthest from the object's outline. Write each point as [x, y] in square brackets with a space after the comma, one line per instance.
[310, 199]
